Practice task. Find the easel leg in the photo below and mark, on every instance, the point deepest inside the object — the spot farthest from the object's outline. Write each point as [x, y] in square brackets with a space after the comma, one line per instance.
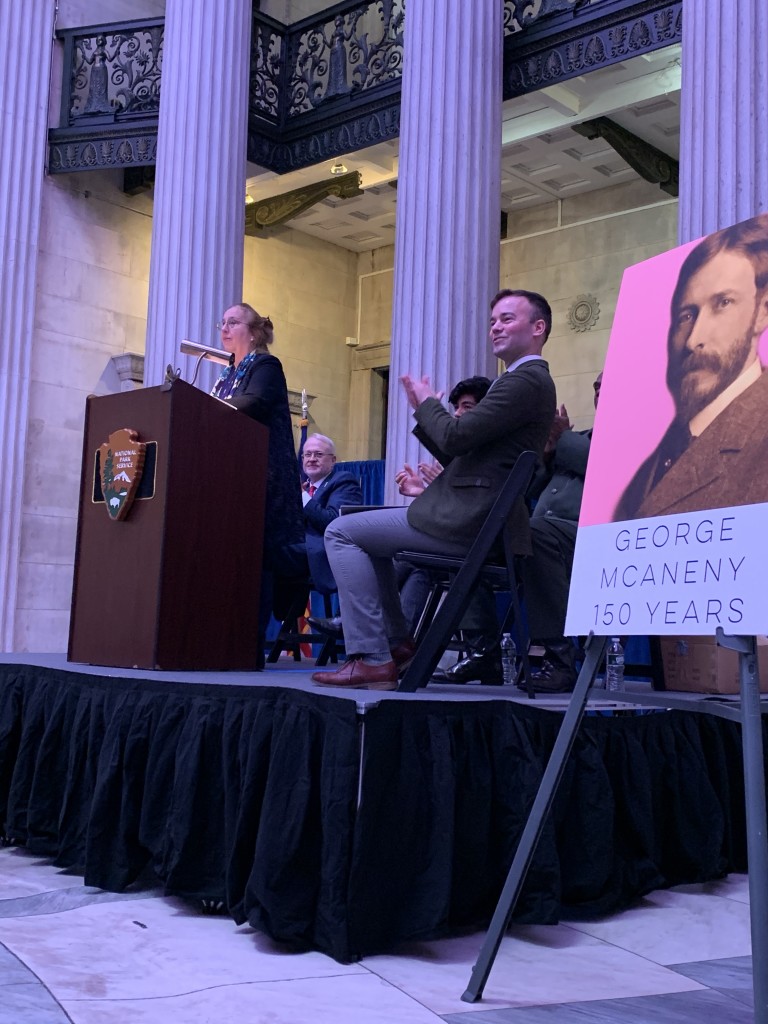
[542, 805]
[754, 798]
[757, 838]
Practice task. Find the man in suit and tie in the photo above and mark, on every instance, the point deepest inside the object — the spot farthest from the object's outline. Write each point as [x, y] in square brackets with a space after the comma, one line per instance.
[715, 451]
[327, 488]
[478, 451]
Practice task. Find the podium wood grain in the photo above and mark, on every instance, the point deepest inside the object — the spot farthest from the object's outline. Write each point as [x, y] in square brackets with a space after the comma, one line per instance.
[176, 584]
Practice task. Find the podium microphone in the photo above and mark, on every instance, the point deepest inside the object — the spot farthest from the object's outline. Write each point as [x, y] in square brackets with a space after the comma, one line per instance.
[216, 355]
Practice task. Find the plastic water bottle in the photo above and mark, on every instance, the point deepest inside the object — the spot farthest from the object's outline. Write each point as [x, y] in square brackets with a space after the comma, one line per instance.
[614, 665]
[508, 658]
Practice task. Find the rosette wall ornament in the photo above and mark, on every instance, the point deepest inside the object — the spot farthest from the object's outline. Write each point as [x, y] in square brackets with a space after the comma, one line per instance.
[584, 313]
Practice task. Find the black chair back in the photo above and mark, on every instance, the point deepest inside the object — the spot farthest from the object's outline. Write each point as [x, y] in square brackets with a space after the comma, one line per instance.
[493, 531]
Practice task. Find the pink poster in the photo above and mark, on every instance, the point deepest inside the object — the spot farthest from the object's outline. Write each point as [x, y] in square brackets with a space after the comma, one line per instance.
[672, 521]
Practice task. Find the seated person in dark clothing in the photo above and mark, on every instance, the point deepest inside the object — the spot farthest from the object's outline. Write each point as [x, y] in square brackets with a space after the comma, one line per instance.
[559, 484]
[326, 489]
[465, 396]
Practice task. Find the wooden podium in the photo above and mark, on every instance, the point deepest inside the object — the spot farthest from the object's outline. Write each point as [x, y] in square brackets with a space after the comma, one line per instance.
[175, 584]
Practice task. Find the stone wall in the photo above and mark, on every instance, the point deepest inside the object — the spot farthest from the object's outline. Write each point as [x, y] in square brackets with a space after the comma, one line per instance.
[582, 246]
[309, 288]
[91, 305]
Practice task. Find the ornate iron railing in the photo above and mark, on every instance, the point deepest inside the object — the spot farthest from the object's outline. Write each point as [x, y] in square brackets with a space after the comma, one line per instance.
[328, 84]
[346, 51]
[354, 51]
[519, 14]
[116, 73]
[268, 47]
[110, 97]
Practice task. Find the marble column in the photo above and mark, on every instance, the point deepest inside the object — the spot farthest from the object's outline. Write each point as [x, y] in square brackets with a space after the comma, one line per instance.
[27, 34]
[448, 205]
[724, 115]
[198, 226]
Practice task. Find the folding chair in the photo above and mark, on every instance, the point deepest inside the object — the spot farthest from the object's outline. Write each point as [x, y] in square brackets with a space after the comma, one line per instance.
[461, 577]
[289, 637]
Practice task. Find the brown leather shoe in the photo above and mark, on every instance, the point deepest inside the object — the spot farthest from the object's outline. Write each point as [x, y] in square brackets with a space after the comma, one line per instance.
[359, 676]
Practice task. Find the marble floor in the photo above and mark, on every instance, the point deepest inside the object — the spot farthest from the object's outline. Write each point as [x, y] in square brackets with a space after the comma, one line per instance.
[74, 954]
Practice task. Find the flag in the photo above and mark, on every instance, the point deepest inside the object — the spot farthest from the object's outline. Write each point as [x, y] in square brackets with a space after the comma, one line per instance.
[303, 435]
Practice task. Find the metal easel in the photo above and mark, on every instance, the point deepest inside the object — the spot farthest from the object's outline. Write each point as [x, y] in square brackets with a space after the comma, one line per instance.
[747, 712]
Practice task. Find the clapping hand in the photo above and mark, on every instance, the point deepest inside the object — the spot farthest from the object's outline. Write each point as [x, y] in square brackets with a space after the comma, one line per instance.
[429, 471]
[418, 391]
[560, 424]
[409, 482]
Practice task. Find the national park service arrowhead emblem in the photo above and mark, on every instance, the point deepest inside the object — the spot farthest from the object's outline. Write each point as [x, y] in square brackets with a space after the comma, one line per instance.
[122, 460]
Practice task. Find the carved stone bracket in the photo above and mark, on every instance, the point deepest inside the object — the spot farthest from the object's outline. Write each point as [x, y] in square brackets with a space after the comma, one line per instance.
[649, 162]
[130, 370]
[278, 209]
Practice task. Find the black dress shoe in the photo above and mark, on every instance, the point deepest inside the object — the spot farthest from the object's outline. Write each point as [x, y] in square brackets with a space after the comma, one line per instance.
[332, 627]
[479, 666]
[558, 672]
[551, 679]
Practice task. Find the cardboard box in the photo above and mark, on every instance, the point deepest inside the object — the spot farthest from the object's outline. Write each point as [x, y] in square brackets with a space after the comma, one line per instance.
[696, 663]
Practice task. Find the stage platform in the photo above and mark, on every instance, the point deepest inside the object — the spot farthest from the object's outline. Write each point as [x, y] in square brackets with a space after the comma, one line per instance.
[350, 821]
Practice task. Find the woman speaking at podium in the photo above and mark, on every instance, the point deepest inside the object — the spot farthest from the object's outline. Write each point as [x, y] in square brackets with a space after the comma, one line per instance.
[255, 384]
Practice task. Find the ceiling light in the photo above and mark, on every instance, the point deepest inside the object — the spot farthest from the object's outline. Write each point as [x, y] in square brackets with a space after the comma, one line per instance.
[338, 168]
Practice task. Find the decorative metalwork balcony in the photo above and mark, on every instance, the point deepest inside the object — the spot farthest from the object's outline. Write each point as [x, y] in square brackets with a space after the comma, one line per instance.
[110, 97]
[569, 39]
[328, 84]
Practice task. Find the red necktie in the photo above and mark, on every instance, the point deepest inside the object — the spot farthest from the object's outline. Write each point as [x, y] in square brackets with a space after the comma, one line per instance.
[312, 490]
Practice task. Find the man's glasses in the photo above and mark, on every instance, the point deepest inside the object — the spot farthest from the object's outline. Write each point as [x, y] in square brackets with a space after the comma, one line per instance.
[311, 454]
[221, 324]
